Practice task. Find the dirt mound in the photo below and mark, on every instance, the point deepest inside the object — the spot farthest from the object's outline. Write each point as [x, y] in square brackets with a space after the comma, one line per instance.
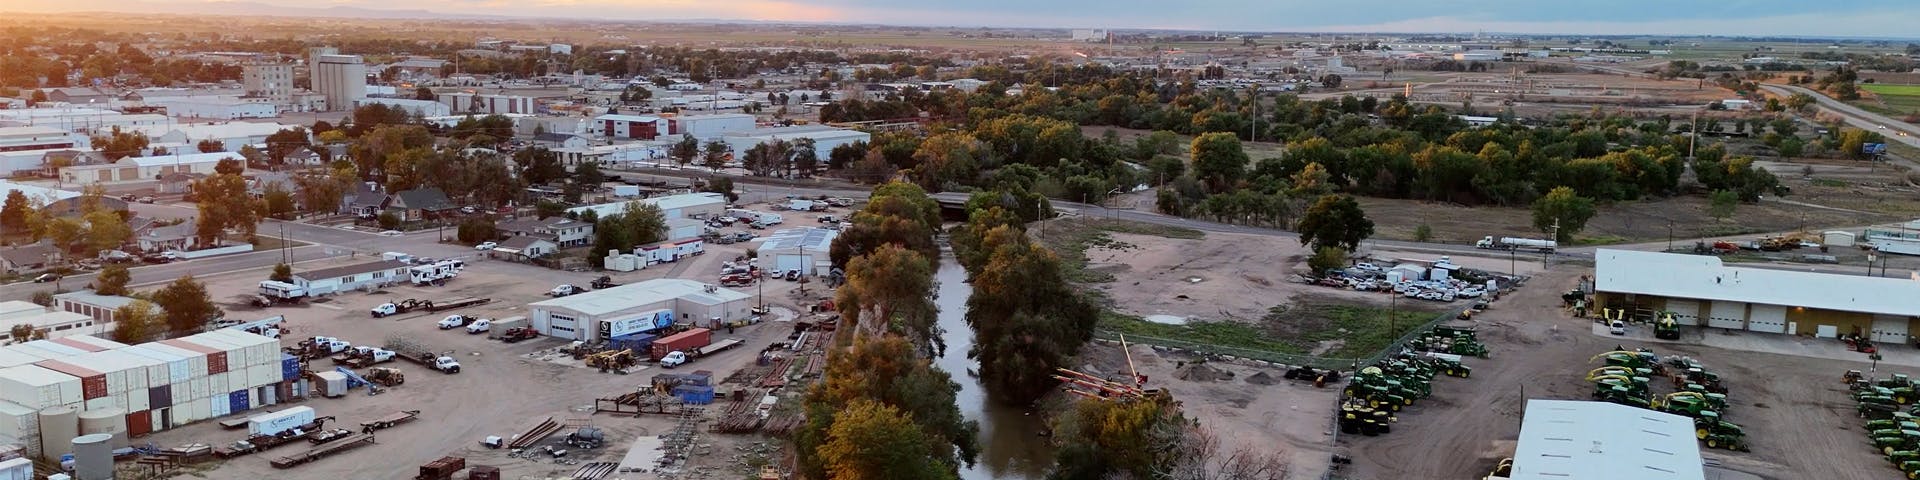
[1200, 372]
[1261, 378]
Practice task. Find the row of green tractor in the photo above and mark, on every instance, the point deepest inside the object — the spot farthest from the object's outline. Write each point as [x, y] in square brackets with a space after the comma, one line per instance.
[1375, 392]
[1625, 378]
[1891, 426]
[1451, 340]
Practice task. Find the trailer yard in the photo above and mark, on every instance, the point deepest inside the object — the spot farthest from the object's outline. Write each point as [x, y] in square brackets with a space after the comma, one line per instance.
[502, 387]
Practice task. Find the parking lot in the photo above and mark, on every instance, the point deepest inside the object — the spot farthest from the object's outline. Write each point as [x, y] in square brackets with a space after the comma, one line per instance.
[502, 389]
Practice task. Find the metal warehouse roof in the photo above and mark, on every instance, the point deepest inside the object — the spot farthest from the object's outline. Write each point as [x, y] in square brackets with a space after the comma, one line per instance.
[1576, 440]
[605, 301]
[19, 309]
[810, 238]
[90, 298]
[670, 202]
[1706, 278]
[350, 270]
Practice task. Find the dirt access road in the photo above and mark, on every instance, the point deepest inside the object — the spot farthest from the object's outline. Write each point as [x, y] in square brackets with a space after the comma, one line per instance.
[1795, 410]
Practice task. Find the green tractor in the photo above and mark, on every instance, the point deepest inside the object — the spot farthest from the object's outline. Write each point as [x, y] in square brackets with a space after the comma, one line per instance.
[1875, 407]
[1688, 406]
[1711, 401]
[1666, 328]
[1620, 395]
[1719, 433]
[1356, 417]
[1630, 359]
[1889, 441]
[1709, 381]
[1448, 364]
[1903, 456]
[1891, 424]
[1899, 387]
[1910, 468]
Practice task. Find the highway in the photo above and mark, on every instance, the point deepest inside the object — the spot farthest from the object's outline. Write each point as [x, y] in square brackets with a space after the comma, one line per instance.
[1855, 116]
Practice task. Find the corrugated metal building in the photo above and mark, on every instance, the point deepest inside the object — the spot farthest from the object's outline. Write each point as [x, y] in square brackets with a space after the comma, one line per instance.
[1575, 440]
[1701, 290]
[600, 314]
[157, 385]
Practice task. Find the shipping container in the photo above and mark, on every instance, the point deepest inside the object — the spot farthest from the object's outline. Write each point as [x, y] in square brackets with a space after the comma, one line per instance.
[95, 341]
[161, 417]
[683, 341]
[92, 384]
[196, 361]
[259, 375]
[236, 353]
[22, 425]
[260, 349]
[83, 346]
[175, 365]
[159, 370]
[218, 406]
[54, 348]
[179, 393]
[16, 469]
[9, 357]
[139, 423]
[136, 400]
[289, 367]
[105, 403]
[160, 397]
[276, 422]
[37, 387]
[125, 372]
[115, 376]
[196, 390]
[237, 402]
[217, 384]
[206, 364]
[197, 410]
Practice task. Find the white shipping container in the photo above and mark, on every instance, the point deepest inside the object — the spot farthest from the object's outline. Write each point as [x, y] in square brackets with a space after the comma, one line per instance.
[158, 418]
[196, 389]
[137, 400]
[260, 349]
[219, 405]
[259, 375]
[216, 383]
[176, 369]
[179, 392]
[19, 424]
[156, 368]
[96, 342]
[37, 387]
[196, 411]
[106, 402]
[237, 354]
[14, 358]
[54, 348]
[196, 361]
[16, 469]
[276, 422]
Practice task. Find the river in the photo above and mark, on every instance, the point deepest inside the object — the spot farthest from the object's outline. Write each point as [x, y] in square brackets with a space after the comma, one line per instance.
[1010, 445]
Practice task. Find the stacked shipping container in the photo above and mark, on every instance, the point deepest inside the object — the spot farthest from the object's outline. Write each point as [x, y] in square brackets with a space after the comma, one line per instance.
[159, 385]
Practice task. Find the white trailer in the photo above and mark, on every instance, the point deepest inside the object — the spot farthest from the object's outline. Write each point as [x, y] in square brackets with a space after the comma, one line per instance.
[282, 291]
[276, 422]
[1517, 243]
[427, 274]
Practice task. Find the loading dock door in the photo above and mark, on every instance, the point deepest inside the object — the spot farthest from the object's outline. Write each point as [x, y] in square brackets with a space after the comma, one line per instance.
[1685, 312]
[1727, 315]
[785, 263]
[1768, 318]
[1889, 329]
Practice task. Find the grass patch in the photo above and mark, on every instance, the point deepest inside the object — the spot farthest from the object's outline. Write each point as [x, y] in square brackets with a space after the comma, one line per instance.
[1070, 238]
[1599, 240]
[1828, 182]
[1725, 230]
[1290, 330]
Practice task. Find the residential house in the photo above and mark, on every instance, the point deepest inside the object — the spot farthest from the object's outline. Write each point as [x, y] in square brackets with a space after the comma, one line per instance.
[420, 203]
[258, 185]
[561, 230]
[179, 182]
[351, 277]
[27, 258]
[170, 237]
[365, 201]
[561, 140]
[527, 247]
[74, 207]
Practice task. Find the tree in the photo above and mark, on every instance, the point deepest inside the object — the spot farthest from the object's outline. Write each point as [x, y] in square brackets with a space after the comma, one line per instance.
[134, 322]
[1028, 321]
[210, 146]
[1218, 160]
[1422, 233]
[1564, 208]
[1327, 258]
[723, 186]
[187, 306]
[112, 280]
[588, 174]
[1721, 203]
[424, 93]
[538, 166]
[645, 223]
[715, 155]
[1118, 439]
[14, 215]
[1800, 101]
[886, 371]
[106, 230]
[475, 230]
[281, 272]
[388, 220]
[890, 289]
[685, 150]
[223, 203]
[21, 332]
[64, 231]
[117, 144]
[874, 441]
[277, 202]
[284, 142]
[1335, 221]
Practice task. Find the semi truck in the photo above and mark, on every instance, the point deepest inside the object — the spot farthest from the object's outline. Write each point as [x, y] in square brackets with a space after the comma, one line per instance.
[1517, 243]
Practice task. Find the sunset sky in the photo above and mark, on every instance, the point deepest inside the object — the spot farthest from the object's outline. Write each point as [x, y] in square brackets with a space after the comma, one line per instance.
[1888, 18]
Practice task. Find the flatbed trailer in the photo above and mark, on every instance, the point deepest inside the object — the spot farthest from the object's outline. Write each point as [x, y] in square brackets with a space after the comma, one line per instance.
[717, 347]
[260, 443]
[389, 421]
[324, 450]
[453, 303]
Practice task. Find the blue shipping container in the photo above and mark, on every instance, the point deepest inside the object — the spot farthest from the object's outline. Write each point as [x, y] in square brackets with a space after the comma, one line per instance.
[289, 367]
[638, 342]
[160, 397]
[697, 395]
[697, 379]
[237, 401]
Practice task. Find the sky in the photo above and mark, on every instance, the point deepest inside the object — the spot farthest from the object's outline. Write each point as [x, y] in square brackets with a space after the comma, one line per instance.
[1865, 18]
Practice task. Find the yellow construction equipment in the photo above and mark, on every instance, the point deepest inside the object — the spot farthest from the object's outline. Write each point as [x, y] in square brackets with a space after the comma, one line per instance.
[1595, 374]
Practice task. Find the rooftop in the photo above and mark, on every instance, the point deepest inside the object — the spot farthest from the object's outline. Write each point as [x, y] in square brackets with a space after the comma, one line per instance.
[182, 158]
[605, 301]
[356, 269]
[17, 308]
[98, 300]
[1577, 440]
[30, 131]
[1706, 278]
[806, 238]
[670, 202]
[50, 195]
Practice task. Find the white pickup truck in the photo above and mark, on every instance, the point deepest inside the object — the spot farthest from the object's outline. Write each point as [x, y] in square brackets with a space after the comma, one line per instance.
[456, 321]
[479, 326]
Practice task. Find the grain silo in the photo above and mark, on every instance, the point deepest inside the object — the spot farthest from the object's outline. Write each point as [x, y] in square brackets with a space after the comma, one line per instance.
[93, 457]
[106, 421]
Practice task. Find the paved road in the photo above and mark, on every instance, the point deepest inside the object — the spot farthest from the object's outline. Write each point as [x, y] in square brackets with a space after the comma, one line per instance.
[1855, 116]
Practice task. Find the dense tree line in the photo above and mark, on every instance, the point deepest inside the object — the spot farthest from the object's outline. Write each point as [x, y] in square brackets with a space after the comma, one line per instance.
[1027, 319]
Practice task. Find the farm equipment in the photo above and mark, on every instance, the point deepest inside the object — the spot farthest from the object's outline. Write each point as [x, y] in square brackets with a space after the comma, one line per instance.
[1356, 416]
[1858, 343]
[1889, 441]
[1688, 406]
[386, 377]
[1666, 328]
[1453, 340]
[611, 360]
[1631, 359]
[1699, 379]
[1319, 377]
[1446, 363]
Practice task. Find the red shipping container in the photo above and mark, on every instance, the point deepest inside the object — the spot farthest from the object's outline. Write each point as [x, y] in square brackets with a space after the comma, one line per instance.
[139, 423]
[79, 344]
[92, 384]
[683, 341]
[216, 363]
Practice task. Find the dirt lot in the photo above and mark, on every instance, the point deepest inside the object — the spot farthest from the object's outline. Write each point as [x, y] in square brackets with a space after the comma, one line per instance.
[1795, 410]
[502, 390]
[1275, 415]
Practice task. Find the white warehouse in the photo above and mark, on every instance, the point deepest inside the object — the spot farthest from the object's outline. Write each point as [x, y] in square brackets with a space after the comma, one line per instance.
[824, 138]
[805, 249]
[598, 315]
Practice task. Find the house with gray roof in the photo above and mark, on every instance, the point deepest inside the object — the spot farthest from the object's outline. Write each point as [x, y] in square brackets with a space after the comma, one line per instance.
[420, 203]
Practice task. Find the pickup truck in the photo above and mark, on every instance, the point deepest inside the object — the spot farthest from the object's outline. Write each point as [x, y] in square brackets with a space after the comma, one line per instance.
[674, 359]
[479, 326]
[565, 290]
[455, 321]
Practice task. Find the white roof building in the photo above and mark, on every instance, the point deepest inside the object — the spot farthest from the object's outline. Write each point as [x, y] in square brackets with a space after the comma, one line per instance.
[1577, 440]
[47, 195]
[600, 314]
[1706, 278]
[689, 205]
[806, 249]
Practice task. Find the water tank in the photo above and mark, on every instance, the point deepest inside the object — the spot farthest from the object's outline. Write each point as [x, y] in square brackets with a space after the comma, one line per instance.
[107, 421]
[58, 426]
[93, 457]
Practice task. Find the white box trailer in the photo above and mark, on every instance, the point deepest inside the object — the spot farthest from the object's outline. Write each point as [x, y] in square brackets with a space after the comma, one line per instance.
[276, 422]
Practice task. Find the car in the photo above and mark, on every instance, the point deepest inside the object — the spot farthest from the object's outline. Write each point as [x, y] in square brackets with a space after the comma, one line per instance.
[46, 277]
[1617, 328]
[674, 359]
[127, 197]
[391, 233]
[486, 246]
[479, 326]
[468, 210]
[565, 290]
[146, 200]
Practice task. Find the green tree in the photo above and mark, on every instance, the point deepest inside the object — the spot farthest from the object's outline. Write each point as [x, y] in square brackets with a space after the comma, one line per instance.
[224, 204]
[13, 216]
[1027, 320]
[277, 202]
[281, 273]
[210, 146]
[1335, 221]
[1327, 258]
[644, 222]
[588, 174]
[187, 306]
[285, 142]
[722, 186]
[1125, 438]
[134, 322]
[1422, 233]
[890, 289]
[685, 150]
[65, 231]
[1721, 204]
[886, 370]
[117, 144]
[424, 93]
[477, 229]
[106, 230]
[715, 155]
[112, 280]
[875, 441]
[388, 221]
[1218, 160]
[1800, 102]
[1563, 207]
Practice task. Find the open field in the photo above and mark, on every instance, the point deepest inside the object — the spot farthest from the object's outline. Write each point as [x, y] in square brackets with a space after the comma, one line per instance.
[1902, 99]
[1794, 409]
